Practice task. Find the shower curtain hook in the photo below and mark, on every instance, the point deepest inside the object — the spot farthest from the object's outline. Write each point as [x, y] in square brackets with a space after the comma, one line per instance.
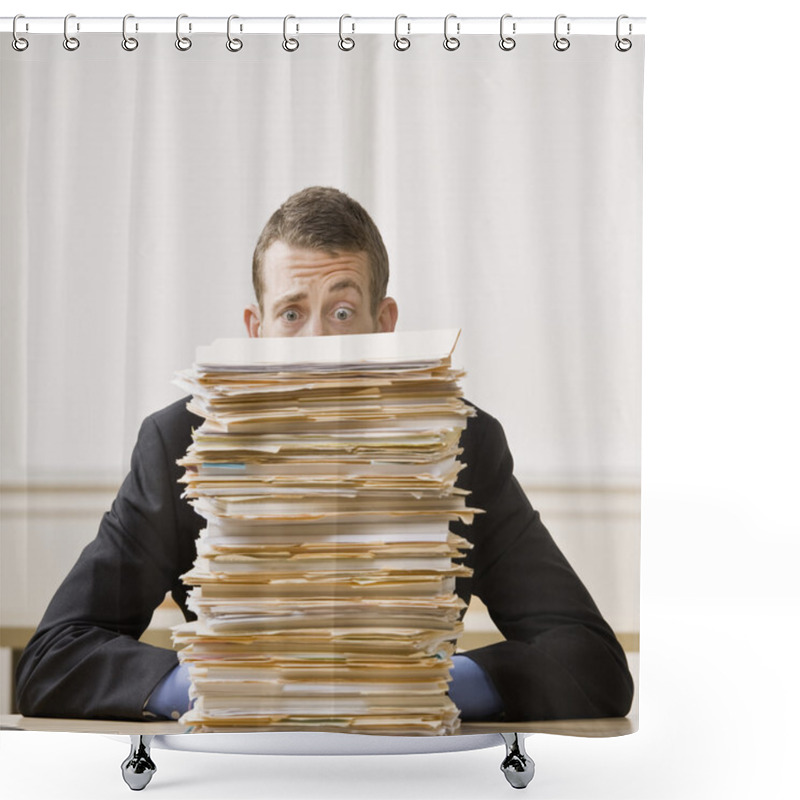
[401, 42]
[561, 43]
[289, 44]
[623, 45]
[507, 42]
[346, 42]
[17, 42]
[70, 42]
[182, 42]
[234, 45]
[129, 43]
[451, 42]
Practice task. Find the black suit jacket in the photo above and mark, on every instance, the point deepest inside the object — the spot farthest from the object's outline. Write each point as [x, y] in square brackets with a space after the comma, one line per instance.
[560, 659]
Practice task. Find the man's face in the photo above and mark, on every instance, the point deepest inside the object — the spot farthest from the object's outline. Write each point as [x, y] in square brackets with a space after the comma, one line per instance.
[313, 293]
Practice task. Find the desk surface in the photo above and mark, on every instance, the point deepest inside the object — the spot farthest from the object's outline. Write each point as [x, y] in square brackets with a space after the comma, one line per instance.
[616, 726]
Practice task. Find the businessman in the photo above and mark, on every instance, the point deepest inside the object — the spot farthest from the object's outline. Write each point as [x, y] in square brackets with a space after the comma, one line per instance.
[320, 268]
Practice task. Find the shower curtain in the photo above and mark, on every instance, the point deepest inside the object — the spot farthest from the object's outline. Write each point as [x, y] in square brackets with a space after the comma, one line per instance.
[135, 182]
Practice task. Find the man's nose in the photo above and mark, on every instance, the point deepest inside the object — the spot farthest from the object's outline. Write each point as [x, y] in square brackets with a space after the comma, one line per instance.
[317, 326]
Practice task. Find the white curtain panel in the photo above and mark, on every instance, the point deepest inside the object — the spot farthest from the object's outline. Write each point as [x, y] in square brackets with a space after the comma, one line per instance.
[507, 186]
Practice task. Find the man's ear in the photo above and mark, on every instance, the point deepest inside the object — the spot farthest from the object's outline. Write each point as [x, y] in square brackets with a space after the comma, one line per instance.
[252, 321]
[386, 318]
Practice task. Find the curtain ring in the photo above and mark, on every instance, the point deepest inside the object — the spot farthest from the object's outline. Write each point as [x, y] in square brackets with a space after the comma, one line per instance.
[401, 42]
[561, 43]
[17, 42]
[289, 44]
[234, 45]
[346, 42]
[507, 42]
[623, 45]
[451, 42]
[182, 42]
[70, 42]
[129, 43]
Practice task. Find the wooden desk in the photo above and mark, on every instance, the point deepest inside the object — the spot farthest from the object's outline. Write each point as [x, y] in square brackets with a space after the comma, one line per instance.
[139, 767]
[594, 728]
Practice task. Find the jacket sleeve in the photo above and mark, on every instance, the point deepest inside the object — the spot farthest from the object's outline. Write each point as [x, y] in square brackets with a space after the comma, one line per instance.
[560, 659]
[85, 659]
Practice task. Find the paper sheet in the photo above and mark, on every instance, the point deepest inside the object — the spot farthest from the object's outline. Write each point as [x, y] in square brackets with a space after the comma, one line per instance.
[324, 583]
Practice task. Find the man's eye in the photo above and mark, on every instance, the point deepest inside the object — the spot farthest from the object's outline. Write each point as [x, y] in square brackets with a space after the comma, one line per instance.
[291, 315]
[343, 314]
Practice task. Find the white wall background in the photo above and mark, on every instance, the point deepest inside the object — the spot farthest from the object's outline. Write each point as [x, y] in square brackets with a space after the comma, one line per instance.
[507, 186]
[720, 604]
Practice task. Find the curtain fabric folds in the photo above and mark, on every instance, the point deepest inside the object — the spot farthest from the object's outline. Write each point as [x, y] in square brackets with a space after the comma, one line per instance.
[507, 186]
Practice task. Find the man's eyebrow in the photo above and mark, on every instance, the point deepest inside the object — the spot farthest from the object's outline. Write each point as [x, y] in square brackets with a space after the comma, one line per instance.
[295, 297]
[345, 283]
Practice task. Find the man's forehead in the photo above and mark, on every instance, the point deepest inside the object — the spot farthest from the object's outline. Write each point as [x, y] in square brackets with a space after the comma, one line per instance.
[286, 263]
[280, 252]
[294, 293]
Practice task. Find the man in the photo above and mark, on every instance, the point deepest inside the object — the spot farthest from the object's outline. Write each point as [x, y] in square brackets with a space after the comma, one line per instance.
[320, 267]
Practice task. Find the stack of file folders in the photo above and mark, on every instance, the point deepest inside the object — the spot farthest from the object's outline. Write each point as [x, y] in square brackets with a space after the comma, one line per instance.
[324, 584]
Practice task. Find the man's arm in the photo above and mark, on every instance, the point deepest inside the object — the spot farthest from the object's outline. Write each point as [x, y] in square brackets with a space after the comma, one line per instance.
[85, 659]
[560, 659]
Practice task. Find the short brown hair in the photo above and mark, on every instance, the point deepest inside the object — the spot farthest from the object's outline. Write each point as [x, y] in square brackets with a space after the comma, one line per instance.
[323, 218]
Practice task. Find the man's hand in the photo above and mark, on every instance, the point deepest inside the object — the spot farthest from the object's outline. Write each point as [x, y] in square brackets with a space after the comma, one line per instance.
[472, 690]
[170, 698]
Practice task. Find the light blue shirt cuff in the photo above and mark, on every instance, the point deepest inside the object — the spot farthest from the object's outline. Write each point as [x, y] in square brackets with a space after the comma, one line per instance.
[472, 690]
[170, 698]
